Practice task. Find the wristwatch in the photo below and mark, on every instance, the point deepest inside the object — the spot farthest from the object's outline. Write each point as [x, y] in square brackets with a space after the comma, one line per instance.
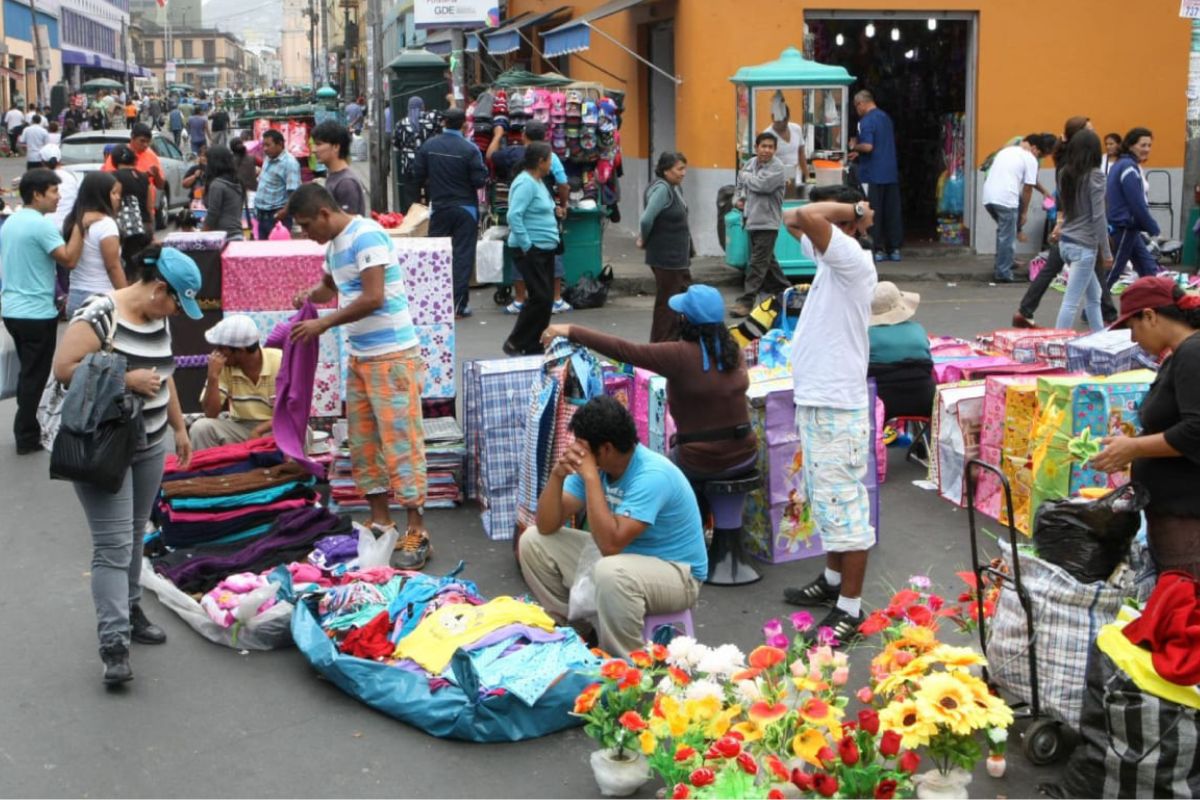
[860, 210]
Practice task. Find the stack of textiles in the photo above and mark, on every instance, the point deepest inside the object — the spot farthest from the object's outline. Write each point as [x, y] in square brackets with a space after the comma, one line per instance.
[230, 494]
[433, 652]
[445, 451]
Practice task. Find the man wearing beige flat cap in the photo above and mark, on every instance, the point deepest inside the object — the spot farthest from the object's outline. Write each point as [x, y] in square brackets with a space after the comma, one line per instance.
[900, 360]
[241, 381]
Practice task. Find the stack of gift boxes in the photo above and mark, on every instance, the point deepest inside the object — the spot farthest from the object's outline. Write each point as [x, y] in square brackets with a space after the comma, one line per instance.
[1038, 423]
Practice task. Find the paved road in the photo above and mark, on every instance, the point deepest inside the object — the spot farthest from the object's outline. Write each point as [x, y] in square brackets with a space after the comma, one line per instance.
[202, 720]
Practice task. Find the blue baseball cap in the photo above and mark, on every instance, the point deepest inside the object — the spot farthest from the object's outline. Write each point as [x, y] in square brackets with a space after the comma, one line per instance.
[181, 273]
[701, 304]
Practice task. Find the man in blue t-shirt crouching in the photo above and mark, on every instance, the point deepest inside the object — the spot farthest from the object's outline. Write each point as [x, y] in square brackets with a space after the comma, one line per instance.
[643, 518]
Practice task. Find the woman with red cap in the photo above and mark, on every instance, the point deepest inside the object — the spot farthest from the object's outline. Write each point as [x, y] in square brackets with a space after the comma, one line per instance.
[1164, 320]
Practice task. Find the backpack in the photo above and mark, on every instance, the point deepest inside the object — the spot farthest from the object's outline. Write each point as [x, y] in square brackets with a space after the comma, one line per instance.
[986, 166]
[129, 218]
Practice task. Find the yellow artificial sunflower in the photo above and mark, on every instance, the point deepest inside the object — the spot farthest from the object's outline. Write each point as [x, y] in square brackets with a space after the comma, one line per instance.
[917, 638]
[807, 743]
[911, 672]
[647, 742]
[718, 726]
[908, 719]
[947, 700]
[955, 657]
[994, 712]
[749, 731]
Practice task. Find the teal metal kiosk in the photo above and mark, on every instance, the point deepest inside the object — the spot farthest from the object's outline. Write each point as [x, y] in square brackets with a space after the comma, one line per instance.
[825, 104]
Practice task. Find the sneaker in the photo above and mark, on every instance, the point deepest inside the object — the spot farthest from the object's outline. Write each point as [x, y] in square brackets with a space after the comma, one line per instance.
[142, 630]
[880, 256]
[1019, 320]
[1003, 279]
[739, 310]
[116, 664]
[413, 550]
[894, 255]
[844, 626]
[514, 307]
[561, 306]
[464, 313]
[817, 593]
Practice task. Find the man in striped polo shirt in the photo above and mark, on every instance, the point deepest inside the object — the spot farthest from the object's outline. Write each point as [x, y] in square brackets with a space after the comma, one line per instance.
[384, 376]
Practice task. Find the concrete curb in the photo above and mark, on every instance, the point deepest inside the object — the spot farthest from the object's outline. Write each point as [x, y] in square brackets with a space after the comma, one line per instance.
[628, 281]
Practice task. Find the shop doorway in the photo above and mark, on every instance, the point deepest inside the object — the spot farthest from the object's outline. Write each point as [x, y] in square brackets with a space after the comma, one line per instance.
[662, 91]
[921, 69]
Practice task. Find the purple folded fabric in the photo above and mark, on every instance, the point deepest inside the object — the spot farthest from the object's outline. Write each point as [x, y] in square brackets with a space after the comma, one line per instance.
[512, 631]
[189, 362]
[335, 549]
[294, 388]
[290, 539]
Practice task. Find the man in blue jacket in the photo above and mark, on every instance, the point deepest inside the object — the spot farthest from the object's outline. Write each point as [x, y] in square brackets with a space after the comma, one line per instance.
[1128, 210]
[451, 171]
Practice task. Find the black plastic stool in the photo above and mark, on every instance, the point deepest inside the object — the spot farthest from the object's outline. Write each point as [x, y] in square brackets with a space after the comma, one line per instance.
[728, 564]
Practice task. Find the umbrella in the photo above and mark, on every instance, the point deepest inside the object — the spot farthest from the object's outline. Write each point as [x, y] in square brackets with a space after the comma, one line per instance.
[97, 84]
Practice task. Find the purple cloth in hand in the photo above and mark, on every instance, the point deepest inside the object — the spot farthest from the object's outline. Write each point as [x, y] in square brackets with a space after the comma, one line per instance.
[294, 388]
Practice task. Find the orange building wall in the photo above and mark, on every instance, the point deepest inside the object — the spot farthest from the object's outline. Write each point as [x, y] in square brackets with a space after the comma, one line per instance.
[1120, 66]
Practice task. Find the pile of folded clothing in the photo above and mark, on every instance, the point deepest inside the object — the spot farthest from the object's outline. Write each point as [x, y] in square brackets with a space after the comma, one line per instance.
[230, 494]
[445, 451]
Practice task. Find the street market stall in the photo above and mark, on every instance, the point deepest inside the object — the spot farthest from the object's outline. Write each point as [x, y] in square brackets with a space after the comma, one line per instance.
[820, 93]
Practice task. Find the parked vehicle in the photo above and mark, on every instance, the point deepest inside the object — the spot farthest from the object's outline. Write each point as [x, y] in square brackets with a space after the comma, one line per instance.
[85, 152]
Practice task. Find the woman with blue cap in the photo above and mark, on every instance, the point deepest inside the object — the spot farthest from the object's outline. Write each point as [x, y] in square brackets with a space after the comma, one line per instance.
[135, 320]
[706, 383]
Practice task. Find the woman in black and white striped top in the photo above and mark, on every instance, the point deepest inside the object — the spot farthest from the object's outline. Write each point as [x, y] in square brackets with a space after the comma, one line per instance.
[136, 319]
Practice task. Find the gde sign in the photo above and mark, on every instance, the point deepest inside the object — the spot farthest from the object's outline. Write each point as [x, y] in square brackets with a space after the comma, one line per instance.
[456, 13]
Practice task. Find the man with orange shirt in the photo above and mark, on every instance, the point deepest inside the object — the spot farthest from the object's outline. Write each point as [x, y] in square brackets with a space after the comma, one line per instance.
[147, 160]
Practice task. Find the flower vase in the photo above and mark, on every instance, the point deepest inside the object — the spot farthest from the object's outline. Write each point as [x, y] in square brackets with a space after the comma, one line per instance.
[934, 785]
[619, 777]
[996, 765]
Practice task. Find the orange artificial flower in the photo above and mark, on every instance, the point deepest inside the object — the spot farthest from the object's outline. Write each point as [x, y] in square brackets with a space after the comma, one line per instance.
[765, 713]
[746, 674]
[641, 659]
[586, 700]
[631, 679]
[765, 657]
[614, 670]
[658, 652]
[633, 721]
[679, 676]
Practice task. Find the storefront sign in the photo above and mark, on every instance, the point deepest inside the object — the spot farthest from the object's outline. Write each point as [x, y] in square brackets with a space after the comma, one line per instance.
[456, 13]
[1189, 9]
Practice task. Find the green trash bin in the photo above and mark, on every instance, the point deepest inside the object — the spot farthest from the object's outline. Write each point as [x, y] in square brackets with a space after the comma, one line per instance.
[582, 243]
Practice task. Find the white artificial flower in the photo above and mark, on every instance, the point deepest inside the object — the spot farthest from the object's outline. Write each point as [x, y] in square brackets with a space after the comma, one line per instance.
[998, 735]
[748, 692]
[679, 651]
[703, 688]
[722, 661]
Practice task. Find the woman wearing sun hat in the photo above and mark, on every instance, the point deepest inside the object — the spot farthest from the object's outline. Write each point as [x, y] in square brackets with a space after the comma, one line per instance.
[135, 318]
[900, 360]
[706, 381]
[1164, 319]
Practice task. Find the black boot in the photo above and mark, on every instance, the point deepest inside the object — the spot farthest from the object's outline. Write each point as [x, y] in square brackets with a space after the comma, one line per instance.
[116, 664]
[142, 630]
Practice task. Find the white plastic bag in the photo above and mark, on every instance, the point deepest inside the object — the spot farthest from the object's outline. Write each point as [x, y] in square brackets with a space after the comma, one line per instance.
[10, 366]
[375, 551]
[489, 261]
[582, 602]
[358, 148]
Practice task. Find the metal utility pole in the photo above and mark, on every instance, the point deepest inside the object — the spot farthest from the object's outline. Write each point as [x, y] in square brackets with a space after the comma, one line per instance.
[38, 79]
[312, 41]
[380, 153]
[125, 57]
[324, 42]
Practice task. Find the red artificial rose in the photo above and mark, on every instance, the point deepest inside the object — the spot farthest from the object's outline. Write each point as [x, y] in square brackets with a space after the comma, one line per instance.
[702, 777]
[826, 756]
[775, 794]
[848, 751]
[935, 602]
[633, 721]
[875, 622]
[777, 767]
[920, 615]
[683, 753]
[826, 785]
[747, 763]
[868, 718]
[905, 597]
[728, 747]
[680, 792]
[889, 744]
[886, 789]
[614, 670]
[909, 762]
[802, 780]
[631, 679]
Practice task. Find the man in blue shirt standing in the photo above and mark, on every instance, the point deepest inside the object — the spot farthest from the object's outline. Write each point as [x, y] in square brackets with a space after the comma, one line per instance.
[278, 178]
[451, 171]
[875, 152]
[643, 519]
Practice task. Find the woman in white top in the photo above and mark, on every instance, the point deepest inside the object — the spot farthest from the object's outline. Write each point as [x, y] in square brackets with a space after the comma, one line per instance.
[99, 270]
[791, 144]
[1112, 151]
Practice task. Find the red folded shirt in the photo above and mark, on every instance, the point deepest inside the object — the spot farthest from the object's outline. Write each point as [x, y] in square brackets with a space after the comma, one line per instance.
[1170, 628]
[222, 455]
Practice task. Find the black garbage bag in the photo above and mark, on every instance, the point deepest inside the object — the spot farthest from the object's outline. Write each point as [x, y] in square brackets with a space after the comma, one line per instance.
[590, 291]
[1089, 539]
[1133, 743]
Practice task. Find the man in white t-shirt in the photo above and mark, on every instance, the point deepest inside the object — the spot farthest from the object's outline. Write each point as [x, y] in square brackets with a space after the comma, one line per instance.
[1006, 193]
[68, 189]
[830, 350]
[14, 121]
[34, 137]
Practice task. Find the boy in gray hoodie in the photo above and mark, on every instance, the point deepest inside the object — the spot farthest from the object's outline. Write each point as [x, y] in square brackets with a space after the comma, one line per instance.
[760, 188]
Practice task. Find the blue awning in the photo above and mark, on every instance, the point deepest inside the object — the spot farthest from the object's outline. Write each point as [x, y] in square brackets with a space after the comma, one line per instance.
[576, 35]
[472, 43]
[507, 38]
[95, 61]
[439, 43]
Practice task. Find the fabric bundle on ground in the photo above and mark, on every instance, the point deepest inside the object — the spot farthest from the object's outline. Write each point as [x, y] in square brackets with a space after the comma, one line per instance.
[434, 653]
[445, 451]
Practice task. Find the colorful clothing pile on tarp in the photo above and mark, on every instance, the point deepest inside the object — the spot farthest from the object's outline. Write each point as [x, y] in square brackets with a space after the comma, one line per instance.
[434, 653]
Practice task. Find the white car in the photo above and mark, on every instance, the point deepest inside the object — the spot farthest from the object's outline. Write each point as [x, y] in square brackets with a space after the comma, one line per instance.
[84, 152]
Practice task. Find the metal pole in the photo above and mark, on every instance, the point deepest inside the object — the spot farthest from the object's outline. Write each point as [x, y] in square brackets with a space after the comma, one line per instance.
[312, 41]
[38, 81]
[324, 42]
[458, 75]
[380, 155]
[125, 58]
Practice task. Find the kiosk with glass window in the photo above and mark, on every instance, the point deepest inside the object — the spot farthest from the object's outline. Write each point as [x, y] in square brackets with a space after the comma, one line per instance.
[814, 98]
